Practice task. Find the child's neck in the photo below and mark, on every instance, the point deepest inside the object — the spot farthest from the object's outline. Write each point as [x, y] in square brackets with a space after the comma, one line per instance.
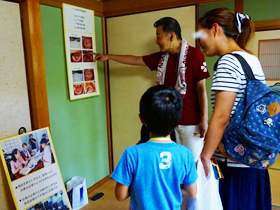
[160, 139]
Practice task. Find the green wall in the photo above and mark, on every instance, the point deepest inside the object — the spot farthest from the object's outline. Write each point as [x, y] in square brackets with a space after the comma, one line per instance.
[203, 8]
[262, 9]
[78, 127]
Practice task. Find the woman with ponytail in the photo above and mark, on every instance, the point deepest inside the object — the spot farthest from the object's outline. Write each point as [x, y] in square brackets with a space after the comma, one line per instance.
[223, 33]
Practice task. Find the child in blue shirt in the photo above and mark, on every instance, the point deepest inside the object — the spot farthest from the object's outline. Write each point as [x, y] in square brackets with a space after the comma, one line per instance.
[151, 173]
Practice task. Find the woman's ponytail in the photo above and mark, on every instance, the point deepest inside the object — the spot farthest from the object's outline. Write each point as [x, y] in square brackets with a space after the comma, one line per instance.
[247, 32]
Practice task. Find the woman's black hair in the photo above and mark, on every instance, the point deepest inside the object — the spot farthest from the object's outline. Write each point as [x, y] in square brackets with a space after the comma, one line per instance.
[14, 152]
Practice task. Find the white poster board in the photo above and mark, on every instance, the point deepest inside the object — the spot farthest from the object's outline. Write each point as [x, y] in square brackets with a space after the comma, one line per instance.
[79, 34]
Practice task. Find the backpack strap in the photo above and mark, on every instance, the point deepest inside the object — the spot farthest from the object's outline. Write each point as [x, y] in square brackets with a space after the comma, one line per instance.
[245, 66]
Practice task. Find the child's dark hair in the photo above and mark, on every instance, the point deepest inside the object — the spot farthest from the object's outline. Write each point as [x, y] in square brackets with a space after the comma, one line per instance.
[227, 20]
[169, 24]
[44, 141]
[161, 109]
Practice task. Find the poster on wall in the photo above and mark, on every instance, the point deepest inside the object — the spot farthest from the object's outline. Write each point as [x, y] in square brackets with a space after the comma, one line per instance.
[32, 171]
[79, 35]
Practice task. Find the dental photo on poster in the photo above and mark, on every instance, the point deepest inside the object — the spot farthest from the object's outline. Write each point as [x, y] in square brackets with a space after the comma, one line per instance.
[88, 56]
[27, 154]
[87, 42]
[78, 75]
[79, 88]
[76, 56]
[75, 42]
[89, 74]
[90, 87]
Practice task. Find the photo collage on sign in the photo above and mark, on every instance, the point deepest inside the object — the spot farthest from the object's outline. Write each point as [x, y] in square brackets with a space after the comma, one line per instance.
[56, 201]
[81, 51]
[27, 154]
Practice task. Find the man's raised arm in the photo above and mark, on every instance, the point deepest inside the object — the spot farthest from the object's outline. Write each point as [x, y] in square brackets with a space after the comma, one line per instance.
[125, 59]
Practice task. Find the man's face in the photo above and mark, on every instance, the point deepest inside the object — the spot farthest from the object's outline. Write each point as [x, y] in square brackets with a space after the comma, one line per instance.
[163, 40]
[25, 147]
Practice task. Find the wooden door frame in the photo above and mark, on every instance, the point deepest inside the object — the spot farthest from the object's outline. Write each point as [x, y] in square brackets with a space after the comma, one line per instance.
[34, 62]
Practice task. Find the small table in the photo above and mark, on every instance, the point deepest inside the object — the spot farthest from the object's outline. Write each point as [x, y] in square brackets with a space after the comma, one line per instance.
[31, 167]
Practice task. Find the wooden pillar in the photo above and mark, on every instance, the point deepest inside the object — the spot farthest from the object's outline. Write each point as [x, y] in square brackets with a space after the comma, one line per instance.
[108, 101]
[34, 61]
[239, 6]
[196, 23]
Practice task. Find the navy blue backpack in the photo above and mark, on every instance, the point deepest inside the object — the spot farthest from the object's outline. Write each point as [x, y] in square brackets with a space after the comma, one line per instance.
[252, 136]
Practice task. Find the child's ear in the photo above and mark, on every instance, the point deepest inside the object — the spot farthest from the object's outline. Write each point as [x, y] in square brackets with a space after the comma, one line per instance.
[142, 121]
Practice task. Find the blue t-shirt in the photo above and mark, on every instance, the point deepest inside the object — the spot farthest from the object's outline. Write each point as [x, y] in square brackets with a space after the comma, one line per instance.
[154, 172]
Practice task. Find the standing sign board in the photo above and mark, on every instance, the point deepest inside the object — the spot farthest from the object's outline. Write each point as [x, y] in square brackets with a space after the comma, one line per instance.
[79, 34]
[32, 171]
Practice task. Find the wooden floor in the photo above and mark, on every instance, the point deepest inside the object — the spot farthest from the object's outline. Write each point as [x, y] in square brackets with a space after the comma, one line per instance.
[108, 201]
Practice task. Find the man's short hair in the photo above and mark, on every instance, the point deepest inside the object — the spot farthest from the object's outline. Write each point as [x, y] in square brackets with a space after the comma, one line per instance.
[169, 24]
[161, 109]
[44, 141]
[24, 144]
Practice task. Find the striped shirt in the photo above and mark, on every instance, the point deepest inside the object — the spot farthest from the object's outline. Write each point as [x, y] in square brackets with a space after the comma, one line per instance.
[229, 76]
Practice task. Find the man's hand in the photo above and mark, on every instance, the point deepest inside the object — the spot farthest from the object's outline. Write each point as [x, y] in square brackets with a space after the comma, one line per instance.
[101, 57]
[203, 126]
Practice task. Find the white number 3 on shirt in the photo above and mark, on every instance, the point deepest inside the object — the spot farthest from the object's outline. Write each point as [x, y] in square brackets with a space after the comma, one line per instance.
[165, 159]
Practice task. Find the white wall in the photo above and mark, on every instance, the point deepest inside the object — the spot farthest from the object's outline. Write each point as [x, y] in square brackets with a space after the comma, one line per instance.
[254, 44]
[14, 107]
